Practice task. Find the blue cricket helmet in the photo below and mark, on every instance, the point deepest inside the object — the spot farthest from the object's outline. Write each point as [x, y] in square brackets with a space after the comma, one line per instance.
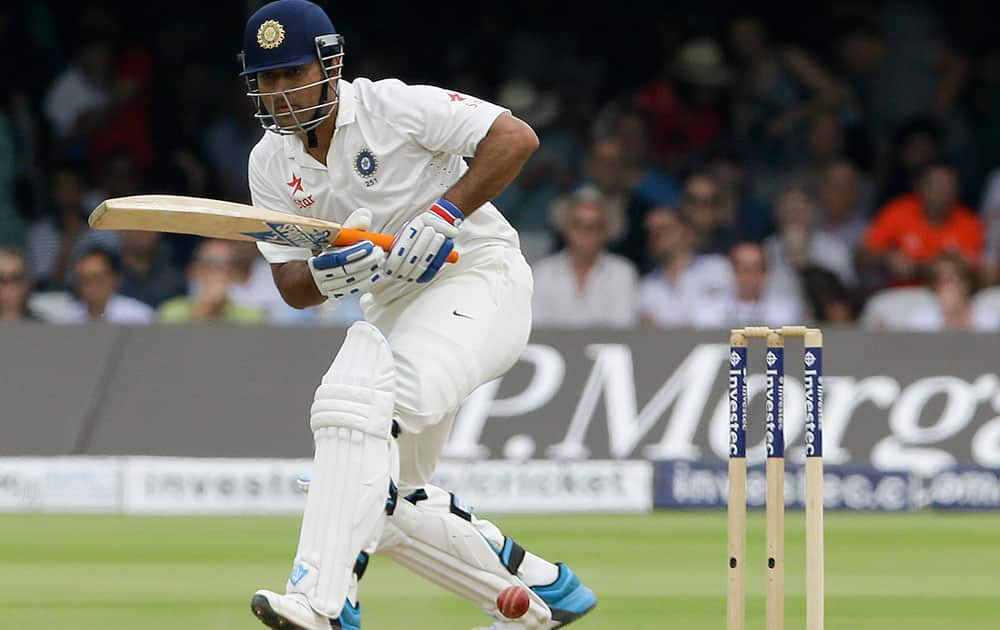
[283, 34]
[291, 33]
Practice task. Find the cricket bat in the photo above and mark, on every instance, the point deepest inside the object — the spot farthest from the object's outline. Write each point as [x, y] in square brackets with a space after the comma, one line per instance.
[225, 219]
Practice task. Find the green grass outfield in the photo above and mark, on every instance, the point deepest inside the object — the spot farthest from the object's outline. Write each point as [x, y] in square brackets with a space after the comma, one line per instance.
[912, 572]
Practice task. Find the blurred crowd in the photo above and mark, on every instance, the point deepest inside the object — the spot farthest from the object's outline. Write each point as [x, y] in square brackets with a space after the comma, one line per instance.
[697, 168]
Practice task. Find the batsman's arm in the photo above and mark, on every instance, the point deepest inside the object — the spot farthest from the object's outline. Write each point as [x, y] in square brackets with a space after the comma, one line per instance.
[296, 285]
[498, 159]
[291, 276]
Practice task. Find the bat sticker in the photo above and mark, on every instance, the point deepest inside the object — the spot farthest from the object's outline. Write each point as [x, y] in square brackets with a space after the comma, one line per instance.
[294, 235]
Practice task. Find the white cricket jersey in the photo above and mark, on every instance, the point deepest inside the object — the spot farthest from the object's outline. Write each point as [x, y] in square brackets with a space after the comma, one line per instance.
[396, 150]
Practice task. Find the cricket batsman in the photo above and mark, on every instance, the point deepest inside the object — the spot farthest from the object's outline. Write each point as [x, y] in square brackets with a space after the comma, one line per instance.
[387, 156]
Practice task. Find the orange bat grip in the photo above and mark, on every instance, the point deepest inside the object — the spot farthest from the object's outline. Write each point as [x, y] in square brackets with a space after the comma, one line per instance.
[349, 236]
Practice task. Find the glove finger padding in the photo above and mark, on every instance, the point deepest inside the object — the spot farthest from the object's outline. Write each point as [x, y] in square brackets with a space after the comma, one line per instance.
[349, 259]
[420, 248]
[436, 261]
[402, 246]
[347, 270]
[420, 267]
[415, 249]
[427, 242]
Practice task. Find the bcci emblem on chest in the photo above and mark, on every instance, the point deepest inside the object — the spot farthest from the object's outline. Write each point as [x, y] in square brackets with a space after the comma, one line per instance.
[366, 165]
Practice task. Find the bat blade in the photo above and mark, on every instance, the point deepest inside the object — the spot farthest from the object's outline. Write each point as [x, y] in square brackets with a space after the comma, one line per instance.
[213, 218]
[229, 220]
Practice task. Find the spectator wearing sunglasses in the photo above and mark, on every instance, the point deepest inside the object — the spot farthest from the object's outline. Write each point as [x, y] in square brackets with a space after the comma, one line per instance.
[212, 275]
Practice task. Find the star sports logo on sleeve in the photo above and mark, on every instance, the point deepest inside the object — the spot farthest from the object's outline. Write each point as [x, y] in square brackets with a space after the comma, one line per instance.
[468, 101]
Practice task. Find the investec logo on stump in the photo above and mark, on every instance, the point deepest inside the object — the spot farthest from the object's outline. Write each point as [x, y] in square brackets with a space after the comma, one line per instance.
[737, 400]
[772, 408]
[813, 382]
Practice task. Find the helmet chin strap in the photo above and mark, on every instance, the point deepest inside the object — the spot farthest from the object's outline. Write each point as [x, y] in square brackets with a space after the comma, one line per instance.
[311, 134]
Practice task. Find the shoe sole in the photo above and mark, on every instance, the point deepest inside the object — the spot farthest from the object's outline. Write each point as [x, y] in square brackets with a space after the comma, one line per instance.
[261, 608]
[564, 617]
[267, 616]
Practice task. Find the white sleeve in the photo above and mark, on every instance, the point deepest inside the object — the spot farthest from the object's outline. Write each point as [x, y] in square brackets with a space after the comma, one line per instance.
[437, 119]
[264, 197]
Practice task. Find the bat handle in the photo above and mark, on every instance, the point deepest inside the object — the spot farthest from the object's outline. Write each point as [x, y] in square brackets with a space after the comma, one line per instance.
[349, 236]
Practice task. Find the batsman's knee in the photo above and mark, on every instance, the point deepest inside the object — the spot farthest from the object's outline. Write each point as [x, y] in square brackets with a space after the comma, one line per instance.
[358, 391]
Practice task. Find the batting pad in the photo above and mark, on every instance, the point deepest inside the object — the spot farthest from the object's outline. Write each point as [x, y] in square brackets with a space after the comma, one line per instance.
[437, 538]
[354, 461]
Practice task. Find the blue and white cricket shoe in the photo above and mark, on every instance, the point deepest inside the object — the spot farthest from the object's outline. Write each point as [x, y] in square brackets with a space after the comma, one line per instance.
[567, 598]
[293, 612]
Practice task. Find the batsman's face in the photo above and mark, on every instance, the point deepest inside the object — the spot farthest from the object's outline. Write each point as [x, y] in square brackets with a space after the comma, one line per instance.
[291, 82]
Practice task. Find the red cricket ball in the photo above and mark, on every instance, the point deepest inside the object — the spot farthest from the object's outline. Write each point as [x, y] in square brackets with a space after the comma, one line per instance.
[513, 602]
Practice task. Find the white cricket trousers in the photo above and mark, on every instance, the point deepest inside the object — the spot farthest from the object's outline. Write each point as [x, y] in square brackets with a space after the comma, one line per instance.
[466, 328]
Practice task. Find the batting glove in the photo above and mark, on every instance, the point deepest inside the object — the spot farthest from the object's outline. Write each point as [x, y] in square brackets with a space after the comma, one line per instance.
[423, 243]
[351, 269]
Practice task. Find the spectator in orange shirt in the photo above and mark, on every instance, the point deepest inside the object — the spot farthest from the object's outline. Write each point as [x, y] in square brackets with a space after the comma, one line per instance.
[913, 229]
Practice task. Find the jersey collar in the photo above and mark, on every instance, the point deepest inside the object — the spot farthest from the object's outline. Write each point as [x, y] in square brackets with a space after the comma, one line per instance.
[346, 108]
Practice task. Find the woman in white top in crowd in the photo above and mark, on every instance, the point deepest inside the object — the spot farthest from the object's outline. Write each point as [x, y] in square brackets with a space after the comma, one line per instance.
[584, 284]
